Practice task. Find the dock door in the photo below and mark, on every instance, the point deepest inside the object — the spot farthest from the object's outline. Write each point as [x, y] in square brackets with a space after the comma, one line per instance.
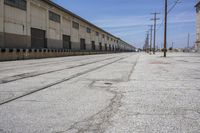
[82, 44]
[38, 38]
[66, 42]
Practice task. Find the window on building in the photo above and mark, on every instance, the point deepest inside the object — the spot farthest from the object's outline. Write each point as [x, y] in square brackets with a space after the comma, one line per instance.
[54, 17]
[107, 37]
[75, 25]
[97, 33]
[103, 36]
[21, 4]
[88, 30]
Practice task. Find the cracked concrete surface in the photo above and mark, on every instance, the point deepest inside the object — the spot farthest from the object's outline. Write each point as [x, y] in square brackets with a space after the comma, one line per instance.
[137, 93]
[101, 120]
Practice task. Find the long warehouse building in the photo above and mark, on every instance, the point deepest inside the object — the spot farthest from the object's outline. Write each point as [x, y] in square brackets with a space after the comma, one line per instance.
[45, 24]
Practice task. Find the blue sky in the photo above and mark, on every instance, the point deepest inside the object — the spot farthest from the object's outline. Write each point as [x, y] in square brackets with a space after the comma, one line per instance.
[129, 19]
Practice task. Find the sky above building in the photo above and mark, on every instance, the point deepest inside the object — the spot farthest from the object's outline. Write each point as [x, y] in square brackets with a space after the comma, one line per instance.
[129, 19]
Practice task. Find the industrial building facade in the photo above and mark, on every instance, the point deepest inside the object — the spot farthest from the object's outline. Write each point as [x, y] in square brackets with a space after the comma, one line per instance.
[44, 24]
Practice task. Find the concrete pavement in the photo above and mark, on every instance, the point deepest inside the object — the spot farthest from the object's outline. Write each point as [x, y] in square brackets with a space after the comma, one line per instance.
[119, 93]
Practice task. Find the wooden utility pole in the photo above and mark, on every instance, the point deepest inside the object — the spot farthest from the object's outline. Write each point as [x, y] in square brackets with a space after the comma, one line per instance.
[154, 40]
[165, 29]
[151, 32]
[147, 42]
[188, 43]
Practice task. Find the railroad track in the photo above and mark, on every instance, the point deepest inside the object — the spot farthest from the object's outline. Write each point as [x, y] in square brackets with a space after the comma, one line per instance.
[34, 74]
[40, 64]
[60, 81]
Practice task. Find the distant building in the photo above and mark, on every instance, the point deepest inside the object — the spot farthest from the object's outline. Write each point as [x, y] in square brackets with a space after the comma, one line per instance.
[198, 26]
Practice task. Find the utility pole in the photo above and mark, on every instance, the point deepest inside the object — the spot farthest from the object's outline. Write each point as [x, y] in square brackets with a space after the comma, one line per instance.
[172, 45]
[147, 42]
[151, 30]
[188, 43]
[155, 20]
[165, 29]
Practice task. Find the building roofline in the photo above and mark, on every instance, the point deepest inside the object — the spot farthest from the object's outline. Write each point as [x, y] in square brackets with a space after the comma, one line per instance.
[76, 16]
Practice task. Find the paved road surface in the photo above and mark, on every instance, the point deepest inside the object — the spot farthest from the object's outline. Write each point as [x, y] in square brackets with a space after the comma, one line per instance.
[113, 93]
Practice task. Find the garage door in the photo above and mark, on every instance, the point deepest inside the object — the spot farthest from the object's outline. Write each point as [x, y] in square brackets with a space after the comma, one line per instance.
[66, 42]
[38, 38]
[83, 45]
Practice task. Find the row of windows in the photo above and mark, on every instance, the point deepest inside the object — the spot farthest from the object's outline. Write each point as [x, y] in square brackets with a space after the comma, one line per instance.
[88, 30]
[21, 4]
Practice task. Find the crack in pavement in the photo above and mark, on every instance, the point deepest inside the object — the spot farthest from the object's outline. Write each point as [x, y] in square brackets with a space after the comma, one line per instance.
[98, 122]
[133, 68]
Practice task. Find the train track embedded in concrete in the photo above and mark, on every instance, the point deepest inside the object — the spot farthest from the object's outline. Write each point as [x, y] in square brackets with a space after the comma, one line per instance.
[60, 81]
[42, 64]
[34, 74]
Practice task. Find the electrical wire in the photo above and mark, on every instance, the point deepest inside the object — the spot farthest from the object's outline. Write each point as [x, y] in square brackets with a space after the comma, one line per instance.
[173, 6]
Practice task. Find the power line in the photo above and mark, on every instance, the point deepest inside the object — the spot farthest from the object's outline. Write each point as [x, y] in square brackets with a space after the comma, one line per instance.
[160, 25]
[170, 9]
[173, 6]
